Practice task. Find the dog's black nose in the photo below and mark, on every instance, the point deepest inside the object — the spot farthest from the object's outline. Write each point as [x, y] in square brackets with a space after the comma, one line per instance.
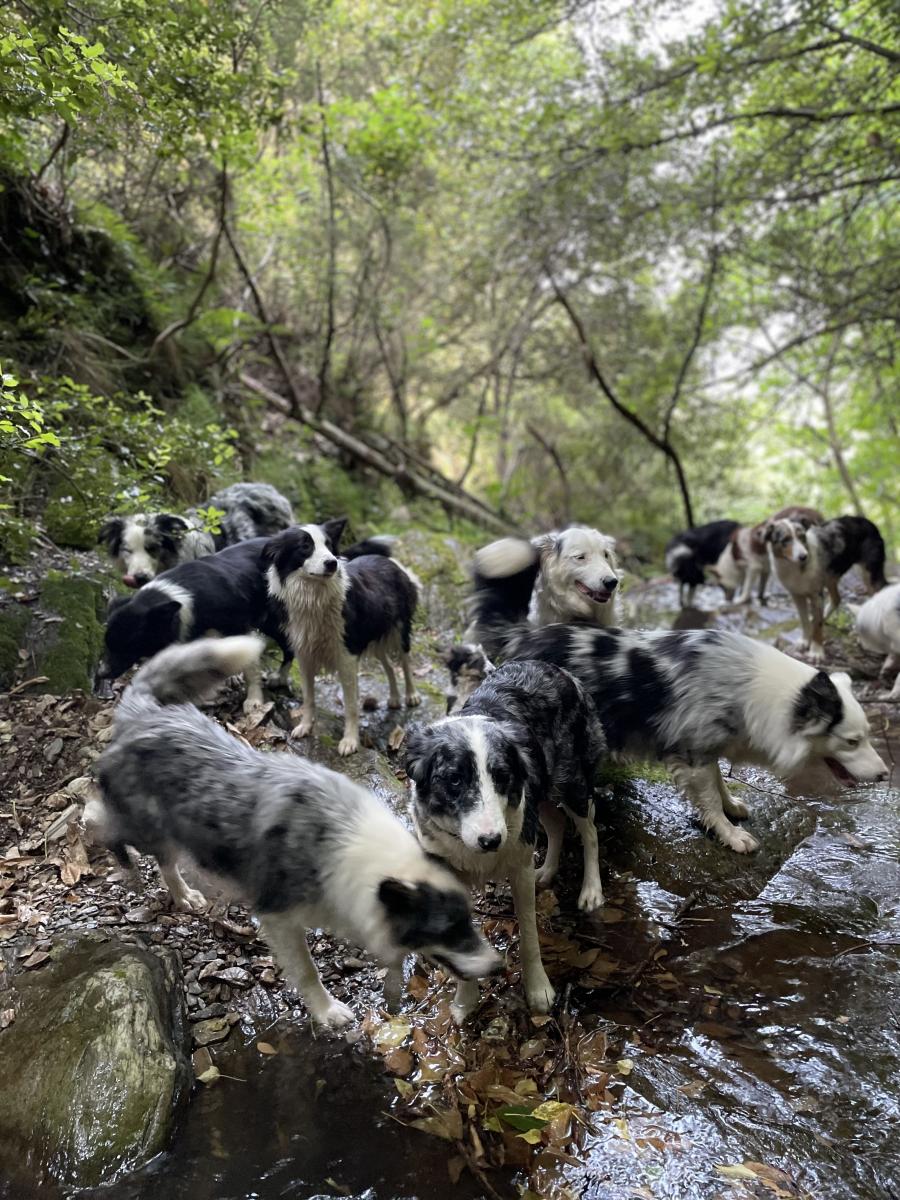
[489, 841]
[611, 584]
[140, 580]
[330, 566]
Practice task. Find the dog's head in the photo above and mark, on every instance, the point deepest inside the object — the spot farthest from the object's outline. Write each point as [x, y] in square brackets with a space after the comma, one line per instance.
[469, 666]
[469, 773]
[787, 539]
[831, 720]
[143, 545]
[137, 627]
[432, 917]
[304, 552]
[579, 568]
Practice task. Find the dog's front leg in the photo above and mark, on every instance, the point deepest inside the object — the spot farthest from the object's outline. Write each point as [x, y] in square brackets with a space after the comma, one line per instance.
[287, 937]
[591, 896]
[801, 605]
[554, 823]
[700, 785]
[348, 672]
[308, 688]
[465, 1001]
[186, 898]
[734, 807]
[538, 989]
[253, 677]
[816, 628]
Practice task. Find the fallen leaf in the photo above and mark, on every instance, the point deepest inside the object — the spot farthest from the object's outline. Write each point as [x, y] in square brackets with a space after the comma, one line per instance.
[532, 1048]
[266, 1048]
[531, 1136]
[210, 1075]
[455, 1167]
[625, 1066]
[399, 1062]
[392, 1033]
[693, 1089]
[735, 1171]
[405, 1088]
[519, 1117]
[444, 1123]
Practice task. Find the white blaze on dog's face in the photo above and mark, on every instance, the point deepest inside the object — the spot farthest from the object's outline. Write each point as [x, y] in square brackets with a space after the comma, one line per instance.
[788, 540]
[829, 715]
[303, 552]
[432, 917]
[468, 775]
[143, 546]
[581, 564]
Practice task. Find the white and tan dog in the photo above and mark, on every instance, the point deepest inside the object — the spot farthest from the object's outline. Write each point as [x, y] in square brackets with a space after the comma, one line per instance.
[574, 576]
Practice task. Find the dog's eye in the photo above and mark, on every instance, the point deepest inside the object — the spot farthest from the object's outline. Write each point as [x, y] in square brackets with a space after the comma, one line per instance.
[852, 741]
[579, 557]
[452, 780]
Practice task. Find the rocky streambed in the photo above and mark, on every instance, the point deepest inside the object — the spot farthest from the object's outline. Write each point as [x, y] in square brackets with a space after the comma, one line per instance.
[727, 1026]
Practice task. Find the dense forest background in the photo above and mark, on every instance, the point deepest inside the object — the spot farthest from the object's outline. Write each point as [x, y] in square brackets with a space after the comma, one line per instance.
[514, 261]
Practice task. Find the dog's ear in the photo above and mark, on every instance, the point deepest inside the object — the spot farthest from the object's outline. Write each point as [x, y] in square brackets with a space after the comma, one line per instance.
[547, 544]
[818, 705]
[767, 530]
[165, 616]
[111, 534]
[333, 530]
[418, 745]
[171, 526]
[398, 896]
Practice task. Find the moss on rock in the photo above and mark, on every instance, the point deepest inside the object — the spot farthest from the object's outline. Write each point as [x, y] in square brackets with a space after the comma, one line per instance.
[96, 1063]
[68, 651]
[72, 514]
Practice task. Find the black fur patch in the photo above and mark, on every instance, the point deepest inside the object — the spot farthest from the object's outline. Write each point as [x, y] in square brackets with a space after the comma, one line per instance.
[705, 543]
[818, 705]
[423, 915]
[850, 540]
[381, 598]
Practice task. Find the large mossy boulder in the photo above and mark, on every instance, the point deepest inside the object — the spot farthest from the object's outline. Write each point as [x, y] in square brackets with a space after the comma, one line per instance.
[95, 1065]
[67, 650]
[441, 563]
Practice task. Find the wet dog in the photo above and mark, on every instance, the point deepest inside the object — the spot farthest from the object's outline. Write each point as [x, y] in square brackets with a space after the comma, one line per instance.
[878, 630]
[691, 697]
[146, 544]
[336, 611]
[571, 575]
[305, 846]
[690, 552]
[809, 559]
[526, 741]
[469, 666]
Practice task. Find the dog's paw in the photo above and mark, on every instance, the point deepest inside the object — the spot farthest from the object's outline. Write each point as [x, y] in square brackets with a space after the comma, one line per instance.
[740, 840]
[334, 1016]
[191, 900]
[394, 703]
[348, 745]
[734, 807]
[591, 896]
[303, 728]
[253, 706]
[539, 992]
[544, 876]
[413, 700]
[816, 653]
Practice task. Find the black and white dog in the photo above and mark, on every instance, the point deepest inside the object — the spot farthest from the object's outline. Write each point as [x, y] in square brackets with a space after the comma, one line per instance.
[469, 666]
[693, 550]
[570, 575]
[878, 629]
[336, 611]
[307, 847]
[145, 544]
[525, 741]
[691, 697]
[223, 593]
[809, 559]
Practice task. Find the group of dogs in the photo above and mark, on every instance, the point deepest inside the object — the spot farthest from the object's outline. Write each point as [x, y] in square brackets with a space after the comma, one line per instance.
[519, 748]
[807, 554]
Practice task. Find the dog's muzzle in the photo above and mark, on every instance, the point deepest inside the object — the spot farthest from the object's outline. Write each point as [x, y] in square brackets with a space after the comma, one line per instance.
[598, 595]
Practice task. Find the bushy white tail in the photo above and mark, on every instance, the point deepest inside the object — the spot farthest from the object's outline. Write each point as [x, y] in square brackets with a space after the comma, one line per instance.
[184, 673]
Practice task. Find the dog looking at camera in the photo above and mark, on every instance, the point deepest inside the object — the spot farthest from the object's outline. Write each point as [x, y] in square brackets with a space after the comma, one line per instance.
[570, 575]
[306, 846]
[337, 611]
[146, 544]
[522, 749]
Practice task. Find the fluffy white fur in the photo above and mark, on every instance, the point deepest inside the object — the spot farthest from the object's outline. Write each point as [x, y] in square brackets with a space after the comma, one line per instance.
[878, 630]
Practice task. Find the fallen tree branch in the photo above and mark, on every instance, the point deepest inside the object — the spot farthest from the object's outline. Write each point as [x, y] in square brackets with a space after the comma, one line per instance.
[452, 498]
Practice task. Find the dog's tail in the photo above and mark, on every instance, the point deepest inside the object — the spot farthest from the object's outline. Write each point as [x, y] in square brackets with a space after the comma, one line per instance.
[382, 543]
[504, 578]
[183, 674]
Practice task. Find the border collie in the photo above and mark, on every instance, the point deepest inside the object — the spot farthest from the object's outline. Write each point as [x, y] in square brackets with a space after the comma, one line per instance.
[744, 563]
[690, 551]
[878, 630]
[809, 559]
[691, 697]
[526, 741]
[223, 593]
[469, 666]
[573, 575]
[146, 544]
[336, 611]
[307, 847]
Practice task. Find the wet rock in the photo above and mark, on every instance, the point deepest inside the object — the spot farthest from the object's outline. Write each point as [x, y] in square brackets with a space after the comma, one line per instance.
[95, 1064]
[215, 1029]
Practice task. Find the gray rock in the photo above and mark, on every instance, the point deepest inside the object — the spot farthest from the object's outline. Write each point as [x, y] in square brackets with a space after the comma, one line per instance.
[96, 1063]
